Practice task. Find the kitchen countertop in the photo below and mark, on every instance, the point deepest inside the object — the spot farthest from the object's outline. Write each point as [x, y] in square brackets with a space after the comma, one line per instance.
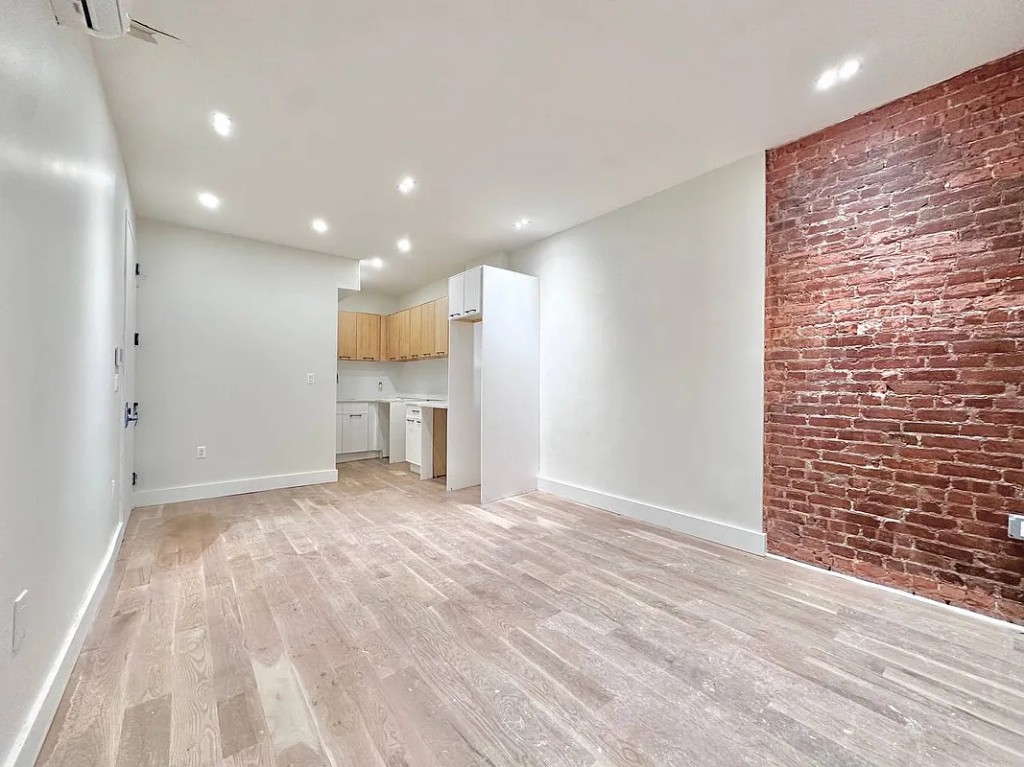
[437, 404]
[423, 401]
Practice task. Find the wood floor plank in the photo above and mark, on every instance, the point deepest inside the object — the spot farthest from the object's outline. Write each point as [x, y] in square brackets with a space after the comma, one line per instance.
[380, 621]
[146, 734]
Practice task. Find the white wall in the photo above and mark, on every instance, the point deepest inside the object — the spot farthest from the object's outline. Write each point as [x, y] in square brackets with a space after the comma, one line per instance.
[429, 292]
[372, 303]
[427, 377]
[230, 328]
[63, 202]
[652, 340]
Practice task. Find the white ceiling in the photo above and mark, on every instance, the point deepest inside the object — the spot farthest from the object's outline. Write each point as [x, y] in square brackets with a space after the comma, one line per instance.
[556, 110]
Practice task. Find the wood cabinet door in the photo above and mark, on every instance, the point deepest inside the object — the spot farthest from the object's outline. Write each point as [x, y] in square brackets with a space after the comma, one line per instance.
[427, 329]
[347, 332]
[403, 335]
[441, 327]
[415, 333]
[393, 337]
[383, 326]
[368, 336]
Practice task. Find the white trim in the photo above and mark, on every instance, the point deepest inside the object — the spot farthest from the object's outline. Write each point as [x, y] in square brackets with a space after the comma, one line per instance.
[29, 742]
[752, 541]
[962, 611]
[231, 487]
[363, 456]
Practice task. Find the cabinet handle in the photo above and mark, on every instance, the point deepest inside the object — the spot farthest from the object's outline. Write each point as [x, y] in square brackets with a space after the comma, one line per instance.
[355, 415]
[369, 358]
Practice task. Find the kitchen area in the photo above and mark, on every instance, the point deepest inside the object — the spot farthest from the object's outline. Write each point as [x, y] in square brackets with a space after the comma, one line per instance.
[393, 380]
[445, 381]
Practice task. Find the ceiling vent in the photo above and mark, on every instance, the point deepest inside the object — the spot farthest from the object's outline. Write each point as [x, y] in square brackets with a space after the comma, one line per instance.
[105, 18]
[100, 18]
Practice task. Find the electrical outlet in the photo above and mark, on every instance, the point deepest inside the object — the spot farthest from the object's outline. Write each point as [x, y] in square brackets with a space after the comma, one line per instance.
[1017, 527]
[18, 622]
[201, 451]
[309, 378]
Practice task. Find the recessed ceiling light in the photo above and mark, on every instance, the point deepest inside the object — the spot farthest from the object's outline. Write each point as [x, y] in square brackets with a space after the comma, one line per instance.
[521, 224]
[407, 185]
[376, 262]
[849, 69]
[208, 200]
[827, 79]
[404, 245]
[222, 124]
[319, 225]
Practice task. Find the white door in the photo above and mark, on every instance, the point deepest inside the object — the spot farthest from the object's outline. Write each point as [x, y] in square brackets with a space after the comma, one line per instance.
[472, 291]
[128, 411]
[356, 436]
[412, 440]
[456, 294]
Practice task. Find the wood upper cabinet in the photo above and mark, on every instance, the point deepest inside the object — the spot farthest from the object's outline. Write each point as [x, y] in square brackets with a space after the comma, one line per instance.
[403, 334]
[367, 336]
[441, 327]
[347, 332]
[358, 336]
[393, 345]
[415, 332]
[411, 334]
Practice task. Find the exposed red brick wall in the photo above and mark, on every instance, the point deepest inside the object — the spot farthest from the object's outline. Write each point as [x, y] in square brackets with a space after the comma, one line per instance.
[894, 360]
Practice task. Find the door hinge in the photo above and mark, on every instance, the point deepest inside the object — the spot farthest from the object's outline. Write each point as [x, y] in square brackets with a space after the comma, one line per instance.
[136, 339]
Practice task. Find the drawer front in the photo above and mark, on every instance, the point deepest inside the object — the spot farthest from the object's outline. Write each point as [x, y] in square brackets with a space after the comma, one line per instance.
[414, 412]
[355, 407]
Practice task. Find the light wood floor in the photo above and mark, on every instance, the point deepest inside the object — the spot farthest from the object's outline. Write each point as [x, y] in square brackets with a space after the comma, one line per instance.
[379, 621]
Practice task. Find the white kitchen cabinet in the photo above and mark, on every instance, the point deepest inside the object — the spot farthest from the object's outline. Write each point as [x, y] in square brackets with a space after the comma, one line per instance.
[456, 295]
[413, 431]
[465, 294]
[355, 428]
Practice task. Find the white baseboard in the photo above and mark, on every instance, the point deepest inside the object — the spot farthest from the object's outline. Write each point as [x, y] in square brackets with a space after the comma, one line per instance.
[962, 611]
[752, 541]
[29, 742]
[349, 457]
[230, 487]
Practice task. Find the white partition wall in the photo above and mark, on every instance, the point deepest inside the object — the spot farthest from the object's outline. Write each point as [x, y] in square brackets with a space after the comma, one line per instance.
[510, 385]
[494, 389]
[463, 405]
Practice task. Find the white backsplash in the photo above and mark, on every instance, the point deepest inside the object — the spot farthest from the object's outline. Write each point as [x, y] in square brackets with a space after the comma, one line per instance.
[365, 379]
[428, 378]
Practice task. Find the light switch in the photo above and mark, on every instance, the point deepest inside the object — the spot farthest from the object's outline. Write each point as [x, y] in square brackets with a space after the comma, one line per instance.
[309, 378]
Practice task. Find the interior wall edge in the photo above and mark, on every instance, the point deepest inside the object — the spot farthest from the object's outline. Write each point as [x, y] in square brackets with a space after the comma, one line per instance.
[25, 749]
[750, 541]
[201, 492]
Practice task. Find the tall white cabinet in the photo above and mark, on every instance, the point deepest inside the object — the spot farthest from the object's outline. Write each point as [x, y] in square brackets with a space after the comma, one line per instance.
[494, 382]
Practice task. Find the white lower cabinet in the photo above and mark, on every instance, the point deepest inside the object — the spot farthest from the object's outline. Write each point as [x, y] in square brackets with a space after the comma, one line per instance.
[413, 428]
[354, 428]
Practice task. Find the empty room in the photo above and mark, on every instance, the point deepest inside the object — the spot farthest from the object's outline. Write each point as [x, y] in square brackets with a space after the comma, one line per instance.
[555, 383]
